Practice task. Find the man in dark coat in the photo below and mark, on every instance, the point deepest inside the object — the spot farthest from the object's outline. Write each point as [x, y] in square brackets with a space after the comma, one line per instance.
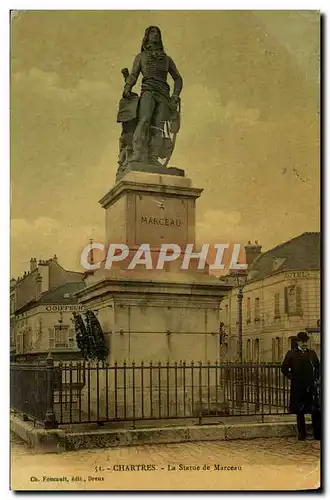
[302, 367]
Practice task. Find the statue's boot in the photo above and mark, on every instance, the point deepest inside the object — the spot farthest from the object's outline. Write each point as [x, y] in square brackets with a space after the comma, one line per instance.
[137, 156]
[153, 160]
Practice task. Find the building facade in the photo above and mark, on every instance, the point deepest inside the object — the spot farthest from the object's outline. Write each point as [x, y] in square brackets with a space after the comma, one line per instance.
[41, 307]
[281, 297]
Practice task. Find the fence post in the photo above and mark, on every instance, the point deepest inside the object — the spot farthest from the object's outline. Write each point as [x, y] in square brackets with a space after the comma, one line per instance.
[257, 391]
[239, 382]
[50, 419]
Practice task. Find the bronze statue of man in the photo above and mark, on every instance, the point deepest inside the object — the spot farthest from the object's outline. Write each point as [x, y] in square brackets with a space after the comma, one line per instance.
[155, 105]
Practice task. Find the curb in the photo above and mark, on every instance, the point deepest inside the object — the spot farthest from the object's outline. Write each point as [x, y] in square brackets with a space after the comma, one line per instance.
[57, 441]
[40, 440]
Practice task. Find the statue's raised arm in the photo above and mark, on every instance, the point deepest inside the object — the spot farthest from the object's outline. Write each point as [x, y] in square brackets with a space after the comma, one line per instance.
[157, 114]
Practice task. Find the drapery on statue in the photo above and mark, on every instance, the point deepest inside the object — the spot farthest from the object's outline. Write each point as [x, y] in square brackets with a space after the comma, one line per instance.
[149, 122]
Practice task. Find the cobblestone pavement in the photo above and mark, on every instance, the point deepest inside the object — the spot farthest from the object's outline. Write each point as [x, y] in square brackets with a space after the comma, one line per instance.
[271, 464]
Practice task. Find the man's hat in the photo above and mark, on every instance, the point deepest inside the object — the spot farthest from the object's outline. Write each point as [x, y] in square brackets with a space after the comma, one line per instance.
[302, 336]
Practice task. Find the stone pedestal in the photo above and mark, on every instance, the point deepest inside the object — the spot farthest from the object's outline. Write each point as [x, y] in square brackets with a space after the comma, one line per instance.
[151, 208]
[155, 315]
[165, 318]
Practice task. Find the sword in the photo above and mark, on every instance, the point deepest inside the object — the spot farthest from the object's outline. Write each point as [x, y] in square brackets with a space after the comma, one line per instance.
[173, 141]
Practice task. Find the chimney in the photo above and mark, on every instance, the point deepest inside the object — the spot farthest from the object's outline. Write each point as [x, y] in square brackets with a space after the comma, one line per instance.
[38, 286]
[252, 251]
[33, 264]
[55, 258]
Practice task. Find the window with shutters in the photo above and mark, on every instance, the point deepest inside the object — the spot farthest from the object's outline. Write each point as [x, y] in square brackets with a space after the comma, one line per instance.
[12, 333]
[12, 304]
[19, 342]
[248, 355]
[51, 333]
[25, 340]
[277, 349]
[61, 336]
[257, 309]
[256, 354]
[292, 342]
[234, 348]
[248, 310]
[292, 300]
[247, 349]
[226, 315]
[276, 305]
[273, 350]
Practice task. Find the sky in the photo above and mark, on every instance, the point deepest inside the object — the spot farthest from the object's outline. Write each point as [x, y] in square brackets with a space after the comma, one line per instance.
[249, 135]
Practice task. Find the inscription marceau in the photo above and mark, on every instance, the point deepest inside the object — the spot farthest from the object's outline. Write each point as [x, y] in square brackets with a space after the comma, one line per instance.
[161, 221]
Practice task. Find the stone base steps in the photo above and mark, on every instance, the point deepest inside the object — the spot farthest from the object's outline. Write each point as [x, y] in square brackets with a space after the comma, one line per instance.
[57, 440]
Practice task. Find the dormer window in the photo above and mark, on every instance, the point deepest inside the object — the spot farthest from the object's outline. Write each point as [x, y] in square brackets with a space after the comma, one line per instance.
[278, 263]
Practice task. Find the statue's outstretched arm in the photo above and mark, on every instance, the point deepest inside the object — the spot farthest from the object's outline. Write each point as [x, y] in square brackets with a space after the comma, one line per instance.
[178, 82]
[133, 76]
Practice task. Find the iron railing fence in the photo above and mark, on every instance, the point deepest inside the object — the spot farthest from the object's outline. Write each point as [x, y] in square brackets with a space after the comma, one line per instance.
[78, 392]
[32, 391]
[28, 387]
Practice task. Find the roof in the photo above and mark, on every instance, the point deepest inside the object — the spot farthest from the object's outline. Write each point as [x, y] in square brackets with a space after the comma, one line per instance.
[62, 294]
[301, 252]
[44, 263]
